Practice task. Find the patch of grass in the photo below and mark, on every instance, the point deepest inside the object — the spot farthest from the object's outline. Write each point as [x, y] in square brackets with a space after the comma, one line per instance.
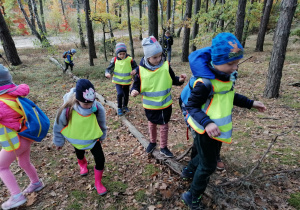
[286, 156]
[149, 170]
[140, 195]
[115, 186]
[295, 200]
[79, 195]
[74, 206]
[291, 101]
[179, 146]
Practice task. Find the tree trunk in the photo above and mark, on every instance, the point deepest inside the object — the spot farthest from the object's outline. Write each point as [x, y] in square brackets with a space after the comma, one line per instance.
[90, 32]
[32, 20]
[152, 18]
[37, 18]
[168, 14]
[8, 43]
[196, 24]
[173, 17]
[63, 9]
[120, 14]
[109, 23]
[246, 30]
[186, 33]
[163, 30]
[44, 41]
[287, 11]
[263, 26]
[140, 16]
[129, 28]
[42, 16]
[104, 42]
[82, 42]
[222, 22]
[240, 18]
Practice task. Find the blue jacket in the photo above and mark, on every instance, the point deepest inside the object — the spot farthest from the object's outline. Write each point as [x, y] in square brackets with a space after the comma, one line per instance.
[200, 64]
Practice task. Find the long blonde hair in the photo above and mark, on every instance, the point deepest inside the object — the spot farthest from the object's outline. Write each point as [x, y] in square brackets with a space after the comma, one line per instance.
[68, 104]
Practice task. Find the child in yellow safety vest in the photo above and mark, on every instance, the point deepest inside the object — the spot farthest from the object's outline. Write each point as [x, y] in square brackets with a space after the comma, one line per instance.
[12, 144]
[154, 80]
[210, 115]
[123, 67]
[81, 120]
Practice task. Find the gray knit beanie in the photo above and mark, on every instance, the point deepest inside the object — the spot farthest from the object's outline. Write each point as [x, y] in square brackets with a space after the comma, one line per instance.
[151, 46]
[5, 76]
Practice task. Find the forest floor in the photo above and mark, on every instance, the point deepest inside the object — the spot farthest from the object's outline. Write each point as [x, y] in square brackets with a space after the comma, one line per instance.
[135, 181]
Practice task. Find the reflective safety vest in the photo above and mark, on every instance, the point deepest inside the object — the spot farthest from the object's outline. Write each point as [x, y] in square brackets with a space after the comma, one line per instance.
[82, 131]
[156, 87]
[71, 57]
[9, 138]
[218, 108]
[122, 71]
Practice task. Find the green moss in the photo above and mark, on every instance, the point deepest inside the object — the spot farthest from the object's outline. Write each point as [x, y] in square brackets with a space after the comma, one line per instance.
[295, 200]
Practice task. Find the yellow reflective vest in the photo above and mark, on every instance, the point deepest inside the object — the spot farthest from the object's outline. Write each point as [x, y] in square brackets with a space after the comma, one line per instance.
[122, 71]
[82, 131]
[9, 138]
[71, 58]
[156, 87]
[219, 109]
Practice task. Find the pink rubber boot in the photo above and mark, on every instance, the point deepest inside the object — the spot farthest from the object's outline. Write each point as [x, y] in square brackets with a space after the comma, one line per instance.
[83, 167]
[98, 184]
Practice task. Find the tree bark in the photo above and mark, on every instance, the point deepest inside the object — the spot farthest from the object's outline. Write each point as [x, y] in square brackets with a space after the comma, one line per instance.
[82, 42]
[32, 20]
[263, 26]
[163, 30]
[186, 33]
[42, 16]
[222, 22]
[8, 43]
[196, 24]
[152, 18]
[63, 9]
[168, 14]
[109, 23]
[173, 17]
[140, 16]
[287, 11]
[247, 23]
[240, 18]
[44, 41]
[90, 32]
[37, 17]
[129, 29]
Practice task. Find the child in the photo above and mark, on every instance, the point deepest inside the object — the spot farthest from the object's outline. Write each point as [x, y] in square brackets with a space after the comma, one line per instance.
[81, 120]
[154, 80]
[69, 59]
[168, 42]
[123, 66]
[211, 123]
[17, 146]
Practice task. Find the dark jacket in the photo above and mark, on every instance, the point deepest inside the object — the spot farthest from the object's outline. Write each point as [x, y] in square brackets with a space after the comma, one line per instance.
[168, 42]
[200, 62]
[161, 116]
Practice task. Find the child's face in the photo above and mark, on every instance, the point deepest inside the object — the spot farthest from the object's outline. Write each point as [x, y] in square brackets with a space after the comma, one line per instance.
[155, 59]
[85, 105]
[122, 55]
[229, 67]
[167, 34]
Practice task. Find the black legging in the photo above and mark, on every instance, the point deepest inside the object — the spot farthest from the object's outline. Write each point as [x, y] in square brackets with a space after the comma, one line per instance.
[97, 153]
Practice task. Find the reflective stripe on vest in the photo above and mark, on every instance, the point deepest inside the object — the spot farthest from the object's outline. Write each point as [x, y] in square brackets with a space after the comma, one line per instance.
[122, 71]
[13, 142]
[156, 87]
[82, 131]
[219, 110]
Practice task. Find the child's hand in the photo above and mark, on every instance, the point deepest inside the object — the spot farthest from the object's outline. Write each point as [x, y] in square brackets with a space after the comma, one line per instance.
[107, 75]
[212, 130]
[133, 72]
[182, 77]
[134, 93]
[58, 148]
[259, 106]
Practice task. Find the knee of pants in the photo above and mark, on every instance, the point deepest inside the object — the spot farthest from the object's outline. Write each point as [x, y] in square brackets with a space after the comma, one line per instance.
[24, 164]
[120, 94]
